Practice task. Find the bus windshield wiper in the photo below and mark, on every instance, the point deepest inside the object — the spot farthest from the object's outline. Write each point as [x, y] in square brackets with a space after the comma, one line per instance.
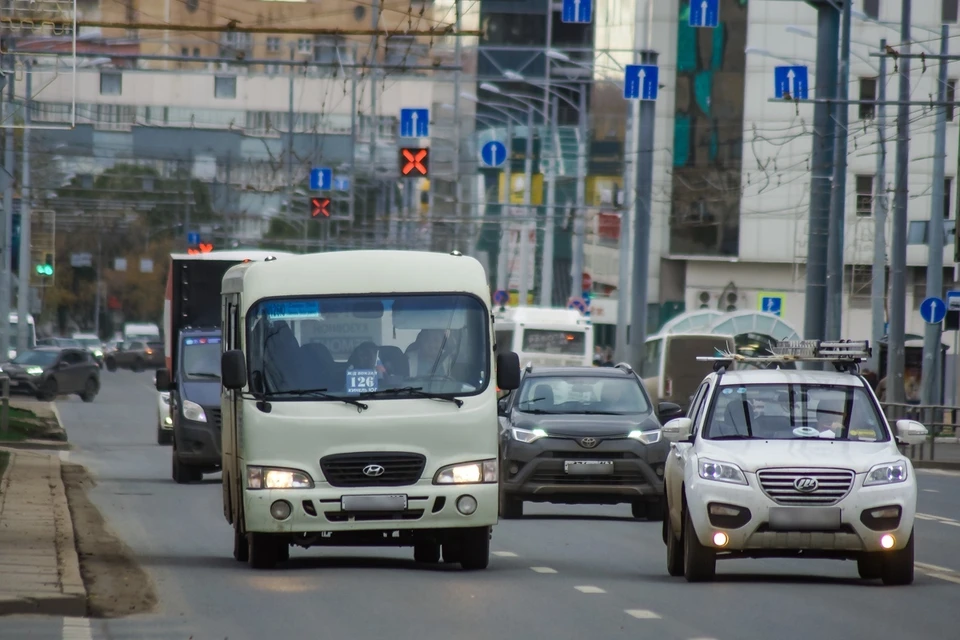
[320, 393]
[203, 374]
[413, 391]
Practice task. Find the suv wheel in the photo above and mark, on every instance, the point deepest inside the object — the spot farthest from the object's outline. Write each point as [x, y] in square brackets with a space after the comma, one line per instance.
[699, 562]
[898, 565]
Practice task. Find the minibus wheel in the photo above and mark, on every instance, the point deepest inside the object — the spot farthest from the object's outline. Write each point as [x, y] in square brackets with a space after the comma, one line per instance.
[263, 550]
[475, 549]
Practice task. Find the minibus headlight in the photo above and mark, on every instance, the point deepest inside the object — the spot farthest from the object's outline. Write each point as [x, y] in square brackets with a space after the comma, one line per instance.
[483, 471]
[193, 411]
[274, 478]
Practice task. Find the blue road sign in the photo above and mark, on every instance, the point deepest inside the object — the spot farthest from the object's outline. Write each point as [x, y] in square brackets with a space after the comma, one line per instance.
[321, 179]
[501, 297]
[790, 81]
[494, 153]
[933, 310]
[641, 81]
[704, 13]
[193, 238]
[771, 304]
[578, 304]
[414, 123]
[577, 11]
[341, 183]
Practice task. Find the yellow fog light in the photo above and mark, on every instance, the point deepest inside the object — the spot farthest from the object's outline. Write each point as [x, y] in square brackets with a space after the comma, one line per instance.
[887, 541]
[720, 539]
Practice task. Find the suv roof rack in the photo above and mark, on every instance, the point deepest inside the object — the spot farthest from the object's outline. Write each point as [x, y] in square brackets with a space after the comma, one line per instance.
[845, 355]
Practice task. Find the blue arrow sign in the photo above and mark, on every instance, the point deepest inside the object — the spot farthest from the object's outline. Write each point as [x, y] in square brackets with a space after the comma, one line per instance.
[341, 183]
[414, 123]
[790, 81]
[771, 304]
[704, 13]
[494, 153]
[321, 179]
[933, 310]
[193, 238]
[577, 11]
[641, 82]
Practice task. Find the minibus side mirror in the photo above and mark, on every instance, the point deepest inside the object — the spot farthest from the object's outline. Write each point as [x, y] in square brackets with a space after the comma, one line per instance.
[508, 371]
[233, 369]
[163, 380]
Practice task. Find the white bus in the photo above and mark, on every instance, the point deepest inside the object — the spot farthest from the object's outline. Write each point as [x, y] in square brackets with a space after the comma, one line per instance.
[545, 336]
[13, 333]
[359, 405]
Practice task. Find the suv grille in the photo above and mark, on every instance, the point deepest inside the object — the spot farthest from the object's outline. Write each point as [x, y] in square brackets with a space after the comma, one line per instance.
[399, 469]
[781, 486]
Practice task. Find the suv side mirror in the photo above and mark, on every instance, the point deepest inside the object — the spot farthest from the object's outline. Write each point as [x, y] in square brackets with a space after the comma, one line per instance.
[233, 369]
[678, 429]
[911, 431]
[667, 411]
[163, 380]
[508, 371]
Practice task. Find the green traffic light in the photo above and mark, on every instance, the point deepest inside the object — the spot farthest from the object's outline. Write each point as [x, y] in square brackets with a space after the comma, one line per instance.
[44, 269]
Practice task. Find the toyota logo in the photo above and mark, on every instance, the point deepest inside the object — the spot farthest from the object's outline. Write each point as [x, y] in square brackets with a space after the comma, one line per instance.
[805, 485]
[588, 443]
[373, 470]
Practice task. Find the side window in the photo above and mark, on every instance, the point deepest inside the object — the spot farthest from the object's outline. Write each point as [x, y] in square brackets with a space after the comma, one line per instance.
[700, 407]
[71, 357]
[237, 327]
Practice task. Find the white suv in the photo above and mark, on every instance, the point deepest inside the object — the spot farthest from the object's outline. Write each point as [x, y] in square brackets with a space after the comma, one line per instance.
[781, 462]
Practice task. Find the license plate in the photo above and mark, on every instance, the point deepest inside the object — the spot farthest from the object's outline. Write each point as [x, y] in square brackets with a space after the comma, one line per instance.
[373, 503]
[805, 518]
[588, 467]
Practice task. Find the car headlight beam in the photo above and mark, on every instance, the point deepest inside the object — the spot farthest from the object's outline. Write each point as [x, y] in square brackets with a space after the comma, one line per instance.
[277, 478]
[479, 472]
[647, 437]
[886, 473]
[721, 471]
[193, 411]
[527, 435]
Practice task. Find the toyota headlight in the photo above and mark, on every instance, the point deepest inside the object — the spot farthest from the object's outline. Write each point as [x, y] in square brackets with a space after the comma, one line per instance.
[274, 478]
[527, 435]
[97, 353]
[193, 411]
[483, 471]
[35, 371]
[886, 473]
[646, 437]
[721, 472]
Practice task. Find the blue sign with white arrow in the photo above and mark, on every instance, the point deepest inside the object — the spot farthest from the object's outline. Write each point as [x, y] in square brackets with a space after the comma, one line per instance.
[414, 123]
[577, 11]
[704, 13]
[321, 178]
[933, 310]
[791, 82]
[494, 153]
[341, 183]
[641, 82]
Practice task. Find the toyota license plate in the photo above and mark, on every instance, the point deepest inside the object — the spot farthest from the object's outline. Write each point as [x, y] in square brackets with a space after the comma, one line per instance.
[373, 503]
[588, 467]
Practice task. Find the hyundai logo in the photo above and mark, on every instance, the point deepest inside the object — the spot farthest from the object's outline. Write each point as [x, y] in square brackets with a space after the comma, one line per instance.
[588, 443]
[805, 485]
[373, 470]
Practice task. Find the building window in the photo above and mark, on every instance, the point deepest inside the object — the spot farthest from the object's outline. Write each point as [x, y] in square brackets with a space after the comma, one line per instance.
[111, 83]
[184, 51]
[273, 44]
[872, 9]
[225, 87]
[196, 52]
[403, 51]
[951, 96]
[304, 45]
[325, 50]
[512, 29]
[947, 185]
[234, 43]
[918, 232]
[861, 283]
[864, 196]
[948, 11]
[868, 95]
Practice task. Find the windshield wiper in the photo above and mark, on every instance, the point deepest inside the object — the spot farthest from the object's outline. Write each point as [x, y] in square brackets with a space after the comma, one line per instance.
[413, 391]
[594, 413]
[738, 436]
[541, 412]
[320, 393]
[202, 374]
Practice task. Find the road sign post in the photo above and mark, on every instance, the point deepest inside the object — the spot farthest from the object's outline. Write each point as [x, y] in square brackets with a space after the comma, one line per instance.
[414, 123]
[321, 179]
[577, 11]
[704, 14]
[933, 310]
[641, 82]
[790, 82]
[493, 153]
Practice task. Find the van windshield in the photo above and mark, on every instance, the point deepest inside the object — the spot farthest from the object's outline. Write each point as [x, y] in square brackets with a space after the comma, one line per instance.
[390, 346]
[201, 358]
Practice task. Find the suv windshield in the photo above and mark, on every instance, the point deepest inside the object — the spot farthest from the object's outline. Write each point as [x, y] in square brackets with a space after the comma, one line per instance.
[37, 358]
[201, 358]
[386, 345]
[582, 394]
[795, 411]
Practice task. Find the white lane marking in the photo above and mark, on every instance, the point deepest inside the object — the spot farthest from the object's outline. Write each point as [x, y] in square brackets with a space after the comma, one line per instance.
[77, 629]
[544, 569]
[940, 519]
[505, 554]
[932, 567]
[940, 573]
[589, 589]
[643, 614]
[932, 490]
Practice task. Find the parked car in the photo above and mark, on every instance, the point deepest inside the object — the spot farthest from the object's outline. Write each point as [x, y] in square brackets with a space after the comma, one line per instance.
[135, 355]
[48, 372]
[92, 344]
[56, 341]
[164, 419]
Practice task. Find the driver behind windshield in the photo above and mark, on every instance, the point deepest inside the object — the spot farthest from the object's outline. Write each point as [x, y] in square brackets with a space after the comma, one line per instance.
[830, 418]
[432, 353]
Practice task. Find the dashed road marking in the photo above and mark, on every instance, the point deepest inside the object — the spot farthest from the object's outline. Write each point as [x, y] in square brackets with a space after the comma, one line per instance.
[643, 614]
[589, 589]
[931, 490]
[940, 519]
[505, 554]
[544, 569]
[77, 629]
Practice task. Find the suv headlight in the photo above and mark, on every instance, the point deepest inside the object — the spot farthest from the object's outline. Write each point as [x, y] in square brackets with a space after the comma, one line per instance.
[274, 478]
[527, 436]
[721, 471]
[886, 473]
[193, 411]
[482, 471]
[646, 437]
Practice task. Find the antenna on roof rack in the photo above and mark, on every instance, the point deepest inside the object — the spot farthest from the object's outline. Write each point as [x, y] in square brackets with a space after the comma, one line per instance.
[845, 355]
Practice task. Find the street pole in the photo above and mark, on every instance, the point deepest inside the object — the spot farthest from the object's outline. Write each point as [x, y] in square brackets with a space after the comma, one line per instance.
[898, 246]
[828, 28]
[627, 196]
[503, 257]
[878, 284]
[457, 134]
[99, 285]
[524, 289]
[6, 276]
[641, 232]
[352, 190]
[580, 213]
[378, 195]
[929, 389]
[23, 294]
[837, 218]
[546, 276]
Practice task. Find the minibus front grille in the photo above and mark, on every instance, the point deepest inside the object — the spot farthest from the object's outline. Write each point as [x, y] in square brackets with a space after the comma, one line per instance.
[373, 469]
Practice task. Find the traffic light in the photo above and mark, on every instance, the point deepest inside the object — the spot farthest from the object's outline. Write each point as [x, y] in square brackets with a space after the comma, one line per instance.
[319, 207]
[46, 268]
[414, 163]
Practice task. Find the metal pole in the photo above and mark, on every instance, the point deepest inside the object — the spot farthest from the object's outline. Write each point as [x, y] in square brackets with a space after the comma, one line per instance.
[378, 192]
[878, 284]
[546, 276]
[352, 188]
[641, 232]
[929, 389]
[23, 294]
[6, 275]
[458, 182]
[828, 28]
[99, 285]
[898, 246]
[523, 289]
[837, 217]
[626, 239]
[503, 257]
[580, 213]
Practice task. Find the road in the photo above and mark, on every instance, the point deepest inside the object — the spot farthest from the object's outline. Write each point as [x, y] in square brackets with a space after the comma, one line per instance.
[564, 572]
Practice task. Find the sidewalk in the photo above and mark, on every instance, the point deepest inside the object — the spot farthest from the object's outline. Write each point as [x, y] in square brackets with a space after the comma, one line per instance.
[39, 566]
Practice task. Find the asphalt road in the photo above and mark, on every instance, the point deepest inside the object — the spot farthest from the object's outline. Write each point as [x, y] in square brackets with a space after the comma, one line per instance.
[564, 572]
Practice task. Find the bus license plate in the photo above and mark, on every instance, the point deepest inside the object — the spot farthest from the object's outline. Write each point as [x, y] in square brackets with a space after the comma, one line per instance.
[373, 503]
[588, 467]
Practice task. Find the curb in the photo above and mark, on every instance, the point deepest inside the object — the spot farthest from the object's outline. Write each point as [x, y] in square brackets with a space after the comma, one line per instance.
[37, 445]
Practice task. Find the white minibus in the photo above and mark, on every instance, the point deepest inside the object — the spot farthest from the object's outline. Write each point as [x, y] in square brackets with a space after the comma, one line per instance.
[544, 336]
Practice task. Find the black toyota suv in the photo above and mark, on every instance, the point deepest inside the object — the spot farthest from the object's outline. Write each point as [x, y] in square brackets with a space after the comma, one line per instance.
[582, 435]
